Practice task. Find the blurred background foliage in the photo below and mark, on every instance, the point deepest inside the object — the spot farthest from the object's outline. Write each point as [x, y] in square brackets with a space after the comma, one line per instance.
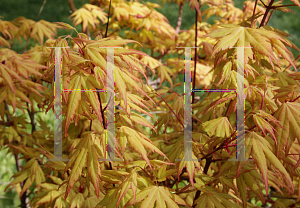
[58, 11]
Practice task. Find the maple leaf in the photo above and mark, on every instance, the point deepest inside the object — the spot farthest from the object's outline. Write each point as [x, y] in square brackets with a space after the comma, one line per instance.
[289, 117]
[129, 182]
[73, 101]
[219, 127]
[6, 77]
[190, 167]
[43, 28]
[164, 73]
[289, 92]
[32, 172]
[88, 14]
[139, 141]
[259, 120]
[85, 152]
[212, 198]
[158, 195]
[259, 39]
[261, 152]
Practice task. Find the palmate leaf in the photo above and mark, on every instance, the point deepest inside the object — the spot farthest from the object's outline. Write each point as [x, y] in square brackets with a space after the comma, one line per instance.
[261, 119]
[49, 192]
[164, 73]
[129, 182]
[109, 201]
[213, 199]
[120, 84]
[289, 117]
[36, 30]
[260, 39]
[157, 196]
[190, 167]
[31, 172]
[219, 127]
[6, 77]
[289, 92]
[73, 102]
[43, 28]
[139, 141]
[261, 152]
[85, 152]
[88, 14]
[251, 180]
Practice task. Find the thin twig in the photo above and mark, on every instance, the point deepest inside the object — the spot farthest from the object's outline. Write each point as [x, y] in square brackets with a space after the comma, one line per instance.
[221, 146]
[107, 19]
[227, 110]
[171, 110]
[253, 13]
[263, 3]
[273, 7]
[296, 99]
[206, 168]
[280, 197]
[41, 9]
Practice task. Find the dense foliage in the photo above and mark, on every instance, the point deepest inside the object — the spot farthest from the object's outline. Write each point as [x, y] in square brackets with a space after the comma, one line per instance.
[149, 113]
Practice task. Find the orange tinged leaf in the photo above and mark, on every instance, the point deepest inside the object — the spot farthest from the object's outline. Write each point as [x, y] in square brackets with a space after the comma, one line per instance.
[219, 127]
[7, 78]
[93, 167]
[289, 118]
[73, 102]
[78, 162]
[158, 195]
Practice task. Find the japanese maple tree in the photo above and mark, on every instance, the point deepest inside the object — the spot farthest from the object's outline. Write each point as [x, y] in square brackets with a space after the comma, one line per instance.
[149, 112]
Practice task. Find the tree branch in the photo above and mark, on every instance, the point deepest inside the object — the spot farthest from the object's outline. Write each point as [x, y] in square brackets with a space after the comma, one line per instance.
[72, 6]
[270, 16]
[24, 198]
[266, 13]
[253, 13]
[206, 167]
[31, 116]
[221, 146]
[107, 19]
[179, 20]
